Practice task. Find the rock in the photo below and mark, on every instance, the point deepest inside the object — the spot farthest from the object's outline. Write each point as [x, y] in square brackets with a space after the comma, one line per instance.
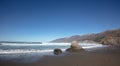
[89, 41]
[57, 51]
[74, 47]
[111, 40]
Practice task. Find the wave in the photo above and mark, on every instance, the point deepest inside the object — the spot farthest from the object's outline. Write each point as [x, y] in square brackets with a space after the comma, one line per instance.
[25, 51]
[22, 51]
[94, 46]
[36, 51]
[43, 47]
[43, 44]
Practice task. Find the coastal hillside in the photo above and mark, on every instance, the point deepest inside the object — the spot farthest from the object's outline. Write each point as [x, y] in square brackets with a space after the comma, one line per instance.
[106, 37]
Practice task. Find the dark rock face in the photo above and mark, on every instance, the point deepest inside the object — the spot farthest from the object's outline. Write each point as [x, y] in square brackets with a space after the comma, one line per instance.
[57, 51]
[74, 47]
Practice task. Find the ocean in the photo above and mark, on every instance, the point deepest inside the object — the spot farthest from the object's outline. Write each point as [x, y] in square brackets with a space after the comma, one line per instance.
[28, 53]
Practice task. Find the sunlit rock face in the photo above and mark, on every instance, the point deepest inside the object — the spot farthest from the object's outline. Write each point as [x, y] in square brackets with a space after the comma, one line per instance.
[111, 40]
[74, 47]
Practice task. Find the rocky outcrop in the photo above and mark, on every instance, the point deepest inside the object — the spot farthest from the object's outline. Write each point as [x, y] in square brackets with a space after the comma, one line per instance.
[89, 41]
[57, 51]
[111, 40]
[74, 47]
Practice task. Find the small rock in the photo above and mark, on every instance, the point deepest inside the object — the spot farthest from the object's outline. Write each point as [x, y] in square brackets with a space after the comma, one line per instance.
[57, 51]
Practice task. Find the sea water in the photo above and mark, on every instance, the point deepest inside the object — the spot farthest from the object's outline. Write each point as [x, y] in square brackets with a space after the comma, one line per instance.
[27, 53]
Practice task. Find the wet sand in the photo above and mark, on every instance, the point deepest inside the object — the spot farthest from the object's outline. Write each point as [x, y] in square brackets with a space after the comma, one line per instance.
[100, 57]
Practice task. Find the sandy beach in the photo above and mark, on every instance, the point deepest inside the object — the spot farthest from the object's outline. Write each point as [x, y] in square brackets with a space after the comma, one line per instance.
[109, 56]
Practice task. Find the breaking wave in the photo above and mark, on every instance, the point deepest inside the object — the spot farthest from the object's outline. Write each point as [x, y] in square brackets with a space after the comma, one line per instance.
[41, 48]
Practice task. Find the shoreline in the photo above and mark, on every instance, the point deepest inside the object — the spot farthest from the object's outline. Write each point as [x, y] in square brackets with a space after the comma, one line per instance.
[108, 56]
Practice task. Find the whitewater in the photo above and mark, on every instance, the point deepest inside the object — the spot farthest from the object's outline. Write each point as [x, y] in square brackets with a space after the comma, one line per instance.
[7, 48]
[24, 52]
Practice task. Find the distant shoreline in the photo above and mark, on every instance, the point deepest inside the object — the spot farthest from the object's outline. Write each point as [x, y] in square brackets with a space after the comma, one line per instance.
[21, 42]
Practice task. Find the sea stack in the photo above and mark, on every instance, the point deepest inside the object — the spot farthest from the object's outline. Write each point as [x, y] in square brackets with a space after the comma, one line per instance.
[74, 47]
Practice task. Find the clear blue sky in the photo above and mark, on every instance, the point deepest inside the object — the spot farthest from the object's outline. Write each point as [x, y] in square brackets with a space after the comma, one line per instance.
[45, 20]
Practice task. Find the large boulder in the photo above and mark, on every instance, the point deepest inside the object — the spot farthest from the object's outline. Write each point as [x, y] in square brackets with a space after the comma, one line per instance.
[74, 47]
[57, 51]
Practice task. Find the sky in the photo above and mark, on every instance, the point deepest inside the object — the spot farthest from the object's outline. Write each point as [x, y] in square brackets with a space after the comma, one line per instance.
[46, 20]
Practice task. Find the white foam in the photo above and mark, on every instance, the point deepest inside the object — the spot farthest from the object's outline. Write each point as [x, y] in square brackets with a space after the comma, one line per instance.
[17, 44]
[84, 45]
[44, 44]
[25, 51]
[22, 51]
[90, 47]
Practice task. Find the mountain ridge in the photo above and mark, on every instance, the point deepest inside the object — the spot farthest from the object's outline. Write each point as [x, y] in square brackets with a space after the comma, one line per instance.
[105, 37]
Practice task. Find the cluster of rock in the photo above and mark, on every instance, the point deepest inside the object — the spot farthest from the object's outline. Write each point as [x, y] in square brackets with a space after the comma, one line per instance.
[111, 40]
[73, 48]
[89, 41]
